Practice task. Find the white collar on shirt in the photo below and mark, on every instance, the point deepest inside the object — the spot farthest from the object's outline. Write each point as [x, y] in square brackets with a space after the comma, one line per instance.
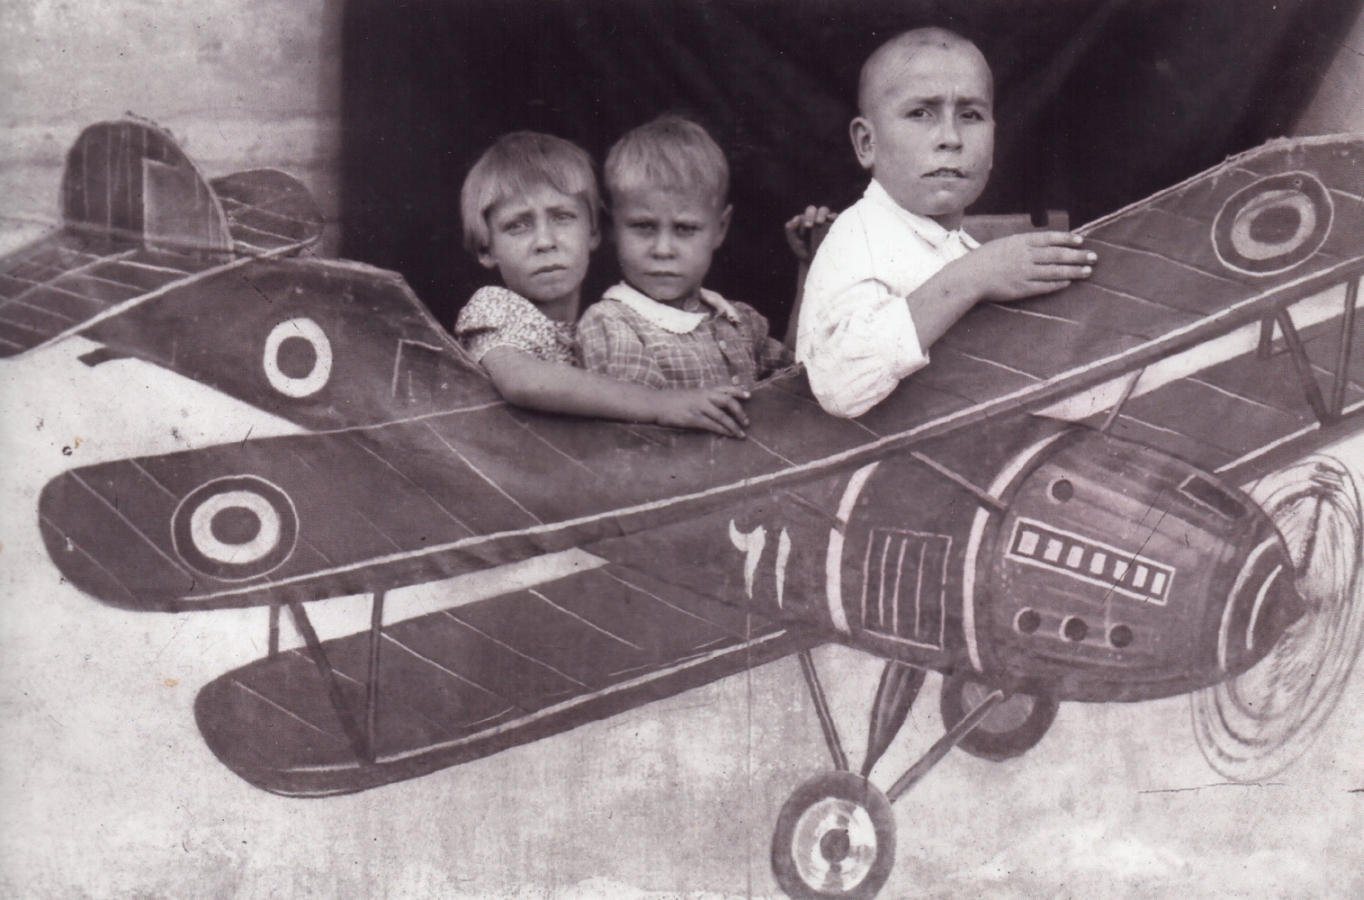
[936, 236]
[670, 318]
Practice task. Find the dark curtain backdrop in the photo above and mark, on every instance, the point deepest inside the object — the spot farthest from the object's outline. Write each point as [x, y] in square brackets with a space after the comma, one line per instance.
[1098, 102]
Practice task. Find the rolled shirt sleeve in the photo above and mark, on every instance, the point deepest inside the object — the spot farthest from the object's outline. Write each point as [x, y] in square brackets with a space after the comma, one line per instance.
[856, 336]
[860, 349]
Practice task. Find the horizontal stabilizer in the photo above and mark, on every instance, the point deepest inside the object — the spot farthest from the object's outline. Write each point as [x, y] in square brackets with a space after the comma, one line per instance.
[268, 210]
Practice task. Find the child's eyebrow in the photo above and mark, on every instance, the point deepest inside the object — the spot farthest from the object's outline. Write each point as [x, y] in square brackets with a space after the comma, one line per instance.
[941, 100]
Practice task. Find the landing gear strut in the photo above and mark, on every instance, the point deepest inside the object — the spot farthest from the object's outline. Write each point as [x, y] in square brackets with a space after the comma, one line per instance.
[1015, 726]
[835, 836]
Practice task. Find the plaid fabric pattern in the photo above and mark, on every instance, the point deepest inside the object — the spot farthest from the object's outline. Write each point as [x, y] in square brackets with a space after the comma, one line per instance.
[498, 317]
[617, 341]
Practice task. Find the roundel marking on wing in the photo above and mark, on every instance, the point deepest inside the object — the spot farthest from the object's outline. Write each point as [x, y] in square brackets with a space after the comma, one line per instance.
[235, 528]
[298, 357]
[1274, 224]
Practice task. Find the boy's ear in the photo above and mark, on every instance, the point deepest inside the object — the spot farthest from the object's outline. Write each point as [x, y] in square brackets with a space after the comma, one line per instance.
[486, 259]
[863, 141]
[725, 215]
[594, 241]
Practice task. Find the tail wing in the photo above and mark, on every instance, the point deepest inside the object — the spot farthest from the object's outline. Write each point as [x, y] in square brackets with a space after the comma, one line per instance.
[138, 221]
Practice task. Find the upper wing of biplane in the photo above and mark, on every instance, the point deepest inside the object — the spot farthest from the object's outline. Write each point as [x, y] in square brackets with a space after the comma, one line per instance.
[139, 220]
[446, 687]
[415, 471]
[1286, 220]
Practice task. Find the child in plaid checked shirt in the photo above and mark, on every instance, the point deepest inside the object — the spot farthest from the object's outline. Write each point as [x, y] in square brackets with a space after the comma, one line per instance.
[668, 182]
[530, 211]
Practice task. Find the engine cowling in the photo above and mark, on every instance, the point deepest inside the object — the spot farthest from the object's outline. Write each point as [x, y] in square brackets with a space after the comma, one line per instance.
[1118, 572]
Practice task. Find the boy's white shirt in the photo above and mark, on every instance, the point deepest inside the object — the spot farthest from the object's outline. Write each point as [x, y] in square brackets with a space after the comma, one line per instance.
[855, 334]
[670, 318]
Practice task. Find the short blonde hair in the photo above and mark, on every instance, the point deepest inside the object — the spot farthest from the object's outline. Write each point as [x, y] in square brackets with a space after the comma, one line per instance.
[671, 153]
[512, 167]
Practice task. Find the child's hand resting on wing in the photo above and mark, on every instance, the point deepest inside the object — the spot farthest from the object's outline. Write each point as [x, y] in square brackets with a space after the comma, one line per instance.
[1025, 265]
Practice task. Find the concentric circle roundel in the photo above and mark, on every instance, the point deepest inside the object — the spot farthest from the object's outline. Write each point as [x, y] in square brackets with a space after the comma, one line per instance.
[298, 357]
[1273, 225]
[235, 528]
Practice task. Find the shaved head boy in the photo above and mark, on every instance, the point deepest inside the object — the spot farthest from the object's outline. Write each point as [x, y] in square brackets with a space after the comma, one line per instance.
[896, 271]
[887, 58]
[944, 79]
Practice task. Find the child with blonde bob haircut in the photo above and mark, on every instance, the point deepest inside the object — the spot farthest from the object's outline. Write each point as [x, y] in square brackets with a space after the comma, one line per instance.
[530, 210]
[668, 182]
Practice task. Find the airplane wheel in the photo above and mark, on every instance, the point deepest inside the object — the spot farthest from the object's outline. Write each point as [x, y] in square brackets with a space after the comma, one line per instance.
[1251, 727]
[835, 838]
[1010, 729]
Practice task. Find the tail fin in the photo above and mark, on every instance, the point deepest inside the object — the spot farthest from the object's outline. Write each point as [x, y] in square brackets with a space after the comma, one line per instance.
[138, 220]
[129, 180]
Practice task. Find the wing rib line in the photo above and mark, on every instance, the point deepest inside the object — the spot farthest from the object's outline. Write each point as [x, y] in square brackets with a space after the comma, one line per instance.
[592, 625]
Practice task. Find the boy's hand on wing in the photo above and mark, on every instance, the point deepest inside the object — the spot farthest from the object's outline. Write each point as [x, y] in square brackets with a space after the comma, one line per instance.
[799, 228]
[1025, 265]
[709, 409]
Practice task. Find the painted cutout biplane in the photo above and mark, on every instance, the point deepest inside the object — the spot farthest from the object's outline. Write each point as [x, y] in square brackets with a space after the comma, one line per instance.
[1049, 512]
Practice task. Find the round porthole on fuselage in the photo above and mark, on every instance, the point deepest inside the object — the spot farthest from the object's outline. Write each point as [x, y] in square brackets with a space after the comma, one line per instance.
[1062, 490]
[1120, 636]
[1027, 621]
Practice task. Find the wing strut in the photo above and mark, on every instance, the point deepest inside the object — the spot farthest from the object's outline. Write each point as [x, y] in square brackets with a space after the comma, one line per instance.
[826, 719]
[361, 740]
[1303, 366]
[1117, 407]
[376, 621]
[273, 642]
[1266, 347]
[1347, 328]
[976, 491]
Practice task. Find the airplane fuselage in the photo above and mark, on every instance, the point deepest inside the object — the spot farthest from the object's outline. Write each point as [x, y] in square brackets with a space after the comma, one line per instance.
[1054, 560]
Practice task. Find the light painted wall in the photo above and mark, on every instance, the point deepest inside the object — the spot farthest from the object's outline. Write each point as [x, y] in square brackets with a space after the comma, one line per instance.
[240, 83]
[1339, 104]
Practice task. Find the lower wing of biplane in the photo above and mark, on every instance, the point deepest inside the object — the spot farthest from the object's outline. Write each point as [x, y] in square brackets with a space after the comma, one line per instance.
[1088, 445]
[450, 686]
